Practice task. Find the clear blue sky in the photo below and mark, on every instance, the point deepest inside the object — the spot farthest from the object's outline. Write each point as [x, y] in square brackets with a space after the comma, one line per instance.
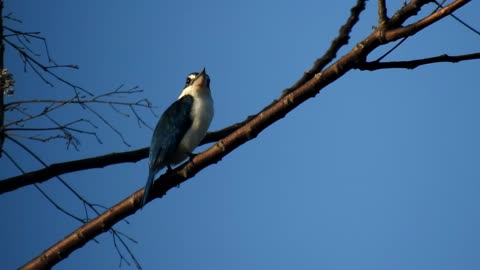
[379, 171]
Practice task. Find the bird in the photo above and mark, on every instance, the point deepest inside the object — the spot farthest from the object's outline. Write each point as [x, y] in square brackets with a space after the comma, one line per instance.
[181, 127]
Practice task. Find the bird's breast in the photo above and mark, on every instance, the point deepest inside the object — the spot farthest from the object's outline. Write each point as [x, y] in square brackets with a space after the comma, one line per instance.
[202, 115]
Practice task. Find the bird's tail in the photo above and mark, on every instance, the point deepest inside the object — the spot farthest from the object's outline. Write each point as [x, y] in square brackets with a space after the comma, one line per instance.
[149, 184]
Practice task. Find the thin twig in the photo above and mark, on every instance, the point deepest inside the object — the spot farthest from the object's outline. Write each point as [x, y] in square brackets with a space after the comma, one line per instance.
[9, 17]
[80, 197]
[34, 64]
[108, 124]
[45, 195]
[139, 119]
[418, 62]
[108, 98]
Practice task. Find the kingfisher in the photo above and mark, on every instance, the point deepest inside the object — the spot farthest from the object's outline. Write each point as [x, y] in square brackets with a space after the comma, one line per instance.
[181, 127]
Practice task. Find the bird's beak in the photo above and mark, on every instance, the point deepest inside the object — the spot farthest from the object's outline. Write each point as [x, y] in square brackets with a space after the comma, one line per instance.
[201, 79]
[203, 72]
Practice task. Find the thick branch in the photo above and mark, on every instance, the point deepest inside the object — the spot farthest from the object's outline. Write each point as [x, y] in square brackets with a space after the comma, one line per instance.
[415, 27]
[337, 43]
[53, 170]
[215, 153]
[418, 62]
[42, 175]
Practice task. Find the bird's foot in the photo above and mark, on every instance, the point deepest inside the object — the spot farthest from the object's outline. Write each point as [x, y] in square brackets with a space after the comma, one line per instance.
[169, 168]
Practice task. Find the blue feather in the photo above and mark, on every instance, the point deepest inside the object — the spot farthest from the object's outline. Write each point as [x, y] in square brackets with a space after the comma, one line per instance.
[149, 184]
[168, 134]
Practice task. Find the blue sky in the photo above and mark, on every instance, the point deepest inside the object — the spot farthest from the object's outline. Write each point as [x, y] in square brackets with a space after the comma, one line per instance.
[379, 171]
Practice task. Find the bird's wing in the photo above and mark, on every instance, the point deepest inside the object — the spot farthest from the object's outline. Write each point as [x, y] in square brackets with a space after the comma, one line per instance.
[170, 129]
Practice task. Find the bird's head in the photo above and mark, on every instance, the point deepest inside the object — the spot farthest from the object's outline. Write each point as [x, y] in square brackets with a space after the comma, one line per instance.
[197, 84]
[198, 79]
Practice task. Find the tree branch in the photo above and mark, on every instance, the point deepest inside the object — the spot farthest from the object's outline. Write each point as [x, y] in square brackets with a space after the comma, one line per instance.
[116, 234]
[38, 67]
[415, 27]
[382, 13]
[53, 170]
[42, 175]
[468, 26]
[340, 41]
[418, 62]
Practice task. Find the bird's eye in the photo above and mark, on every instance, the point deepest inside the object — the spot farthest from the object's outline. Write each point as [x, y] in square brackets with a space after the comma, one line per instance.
[188, 81]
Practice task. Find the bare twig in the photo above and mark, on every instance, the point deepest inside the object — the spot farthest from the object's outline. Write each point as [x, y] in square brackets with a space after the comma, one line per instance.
[52, 107]
[139, 119]
[471, 28]
[35, 65]
[45, 195]
[54, 104]
[30, 58]
[77, 100]
[109, 98]
[107, 123]
[382, 13]
[117, 235]
[418, 62]
[10, 17]
[82, 199]
[58, 127]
